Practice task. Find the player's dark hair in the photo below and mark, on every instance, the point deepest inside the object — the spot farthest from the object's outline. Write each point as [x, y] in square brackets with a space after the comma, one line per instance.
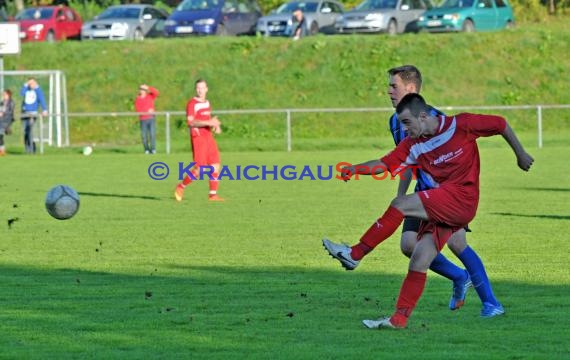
[408, 74]
[9, 92]
[199, 81]
[415, 103]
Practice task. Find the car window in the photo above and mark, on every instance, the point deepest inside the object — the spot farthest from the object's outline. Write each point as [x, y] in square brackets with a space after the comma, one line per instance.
[334, 7]
[485, 4]
[500, 3]
[69, 15]
[418, 5]
[60, 13]
[457, 4]
[307, 7]
[120, 12]
[376, 4]
[35, 14]
[191, 5]
[154, 13]
[229, 7]
[244, 7]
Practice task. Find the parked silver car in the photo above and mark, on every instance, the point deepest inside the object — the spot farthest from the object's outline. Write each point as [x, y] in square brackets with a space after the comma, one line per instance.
[320, 15]
[390, 16]
[126, 22]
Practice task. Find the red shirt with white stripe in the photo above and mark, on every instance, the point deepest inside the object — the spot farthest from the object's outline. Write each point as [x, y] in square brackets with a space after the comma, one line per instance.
[450, 156]
[201, 111]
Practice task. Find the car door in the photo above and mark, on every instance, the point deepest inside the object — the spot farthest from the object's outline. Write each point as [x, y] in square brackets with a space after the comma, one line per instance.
[485, 15]
[416, 9]
[155, 25]
[405, 14]
[249, 13]
[504, 14]
[328, 13]
[231, 17]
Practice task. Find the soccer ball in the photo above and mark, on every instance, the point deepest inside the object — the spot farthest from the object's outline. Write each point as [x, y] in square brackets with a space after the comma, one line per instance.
[87, 150]
[62, 202]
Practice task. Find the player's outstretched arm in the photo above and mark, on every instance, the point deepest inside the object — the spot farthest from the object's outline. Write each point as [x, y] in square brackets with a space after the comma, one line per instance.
[405, 181]
[524, 160]
[372, 167]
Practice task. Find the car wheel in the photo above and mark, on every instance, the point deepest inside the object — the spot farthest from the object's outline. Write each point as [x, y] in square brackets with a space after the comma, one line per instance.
[221, 30]
[138, 35]
[509, 25]
[50, 36]
[468, 26]
[392, 28]
[314, 29]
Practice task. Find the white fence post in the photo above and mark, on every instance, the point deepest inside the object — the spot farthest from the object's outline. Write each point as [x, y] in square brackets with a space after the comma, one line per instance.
[288, 130]
[539, 113]
[167, 133]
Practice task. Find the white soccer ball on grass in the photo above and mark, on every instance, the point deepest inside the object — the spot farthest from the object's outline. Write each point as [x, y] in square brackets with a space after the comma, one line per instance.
[62, 202]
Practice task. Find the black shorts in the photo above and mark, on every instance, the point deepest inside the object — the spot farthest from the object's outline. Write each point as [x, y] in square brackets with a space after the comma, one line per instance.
[413, 224]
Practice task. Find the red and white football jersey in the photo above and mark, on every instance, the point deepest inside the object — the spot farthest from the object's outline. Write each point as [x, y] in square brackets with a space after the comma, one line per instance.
[450, 156]
[201, 111]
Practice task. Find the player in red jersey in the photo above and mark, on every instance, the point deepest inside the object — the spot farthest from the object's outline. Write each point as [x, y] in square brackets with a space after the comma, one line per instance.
[204, 146]
[446, 149]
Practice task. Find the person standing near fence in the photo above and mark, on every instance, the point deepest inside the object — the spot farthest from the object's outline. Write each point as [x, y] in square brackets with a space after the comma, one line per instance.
[6, 118]
[33, 99]
[144, 104]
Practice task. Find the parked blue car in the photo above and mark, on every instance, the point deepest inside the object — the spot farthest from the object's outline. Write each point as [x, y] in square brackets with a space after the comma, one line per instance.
[468, 16]
[213, 17]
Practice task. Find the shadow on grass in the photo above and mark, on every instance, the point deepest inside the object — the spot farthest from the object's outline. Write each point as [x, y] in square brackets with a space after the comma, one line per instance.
[143, 197]
[538, 216]
[241, 312]
[546, 189]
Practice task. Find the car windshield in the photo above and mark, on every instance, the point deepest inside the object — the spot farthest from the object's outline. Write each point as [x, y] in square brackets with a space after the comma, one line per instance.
[457, 4]
[35, 14]
[119, 12]
[376, 4]
[306, 7]
[190, 5]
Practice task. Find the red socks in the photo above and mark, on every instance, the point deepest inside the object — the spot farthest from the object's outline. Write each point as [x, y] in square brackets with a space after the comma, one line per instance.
[214, 184]
[378, 232]
[410, 293]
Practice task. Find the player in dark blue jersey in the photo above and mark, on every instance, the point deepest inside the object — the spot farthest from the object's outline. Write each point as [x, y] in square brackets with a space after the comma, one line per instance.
[402, 81]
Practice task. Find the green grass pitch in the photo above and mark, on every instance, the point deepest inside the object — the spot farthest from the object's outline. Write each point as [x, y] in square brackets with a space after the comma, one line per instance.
[137, 275]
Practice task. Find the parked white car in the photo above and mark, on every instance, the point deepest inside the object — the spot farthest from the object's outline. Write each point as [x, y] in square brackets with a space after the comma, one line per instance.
[126, 22]
[319, 15]
[389, 16]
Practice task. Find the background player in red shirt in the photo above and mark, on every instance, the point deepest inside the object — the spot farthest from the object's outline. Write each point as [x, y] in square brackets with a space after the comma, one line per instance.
[446, 149]
[144, 103]
[204, 147]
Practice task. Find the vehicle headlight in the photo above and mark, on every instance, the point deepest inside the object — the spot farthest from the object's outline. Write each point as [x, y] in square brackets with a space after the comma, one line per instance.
[36, 27]
[373, 17]
[452, 17]
[205, 22]
[170, 23]
[421, 18]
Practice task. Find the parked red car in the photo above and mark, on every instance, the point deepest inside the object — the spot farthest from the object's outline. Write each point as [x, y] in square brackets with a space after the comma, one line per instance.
[49, 23]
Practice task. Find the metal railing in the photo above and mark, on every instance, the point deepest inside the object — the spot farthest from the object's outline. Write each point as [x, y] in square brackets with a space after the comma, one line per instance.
[288, 117]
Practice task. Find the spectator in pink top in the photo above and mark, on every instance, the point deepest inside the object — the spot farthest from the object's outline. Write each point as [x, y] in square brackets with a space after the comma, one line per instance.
[144, 104]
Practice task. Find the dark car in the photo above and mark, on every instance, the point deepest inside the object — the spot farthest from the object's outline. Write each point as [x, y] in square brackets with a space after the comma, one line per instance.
[213, 17]
[49, 23]
[468, 16]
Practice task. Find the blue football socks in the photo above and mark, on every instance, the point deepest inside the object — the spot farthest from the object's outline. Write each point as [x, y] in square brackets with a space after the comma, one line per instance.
[442, 266]
[476, 270]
